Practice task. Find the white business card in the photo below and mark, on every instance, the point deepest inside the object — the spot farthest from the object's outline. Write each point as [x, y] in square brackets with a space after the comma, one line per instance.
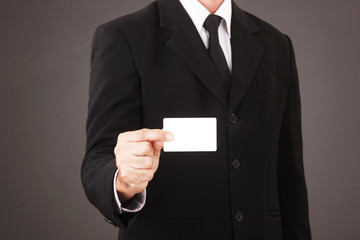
[191, 134]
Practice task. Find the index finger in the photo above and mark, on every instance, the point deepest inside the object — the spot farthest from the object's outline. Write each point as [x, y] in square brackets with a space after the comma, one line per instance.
[148, 135]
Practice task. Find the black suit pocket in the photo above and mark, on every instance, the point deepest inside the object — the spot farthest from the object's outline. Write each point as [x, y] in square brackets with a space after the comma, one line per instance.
[273, 216]
[273, 225]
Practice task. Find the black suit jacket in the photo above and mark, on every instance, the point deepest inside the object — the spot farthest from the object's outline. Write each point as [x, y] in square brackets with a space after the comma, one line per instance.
[153, 64]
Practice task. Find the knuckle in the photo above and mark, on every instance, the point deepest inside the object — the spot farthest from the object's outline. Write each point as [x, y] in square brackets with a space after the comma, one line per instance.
[119, 157]
[141, 133]
[117, 150]
[132, 185]
[147, 176]
[137, 179]
[150, 176]
[124, 174]
[120, 144]
[144, 185]
[147, 147]
[120, 136]
[155, 166]
[148, 162]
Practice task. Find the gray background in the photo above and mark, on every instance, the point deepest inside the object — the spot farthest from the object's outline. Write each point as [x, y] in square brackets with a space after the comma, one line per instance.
[44, 74]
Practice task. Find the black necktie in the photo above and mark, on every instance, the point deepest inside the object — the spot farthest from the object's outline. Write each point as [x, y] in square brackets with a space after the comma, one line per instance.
[211, 24]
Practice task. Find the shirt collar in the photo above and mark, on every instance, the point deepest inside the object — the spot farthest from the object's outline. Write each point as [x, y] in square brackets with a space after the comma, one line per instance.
[198, 13]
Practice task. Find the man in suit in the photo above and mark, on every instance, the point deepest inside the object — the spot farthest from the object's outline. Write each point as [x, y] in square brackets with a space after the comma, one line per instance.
[188, 58]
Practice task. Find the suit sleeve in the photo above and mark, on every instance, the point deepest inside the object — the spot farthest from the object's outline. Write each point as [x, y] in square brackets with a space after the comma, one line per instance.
[291, 178]
[114, 106]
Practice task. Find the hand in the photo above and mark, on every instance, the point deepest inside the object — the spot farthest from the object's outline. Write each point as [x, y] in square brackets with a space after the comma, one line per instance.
[137, 159]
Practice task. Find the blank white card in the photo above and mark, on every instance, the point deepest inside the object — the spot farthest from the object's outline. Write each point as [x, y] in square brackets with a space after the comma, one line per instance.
[191, 134]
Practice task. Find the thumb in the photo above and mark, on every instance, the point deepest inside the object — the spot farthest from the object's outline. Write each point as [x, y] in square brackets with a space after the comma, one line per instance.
[157, 146]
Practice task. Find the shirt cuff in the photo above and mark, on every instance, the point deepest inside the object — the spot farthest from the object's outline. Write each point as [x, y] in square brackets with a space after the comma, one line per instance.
[135, 204]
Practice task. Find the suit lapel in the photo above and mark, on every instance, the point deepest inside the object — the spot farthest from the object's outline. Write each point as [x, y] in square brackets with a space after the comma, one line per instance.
[246, 54]
[187, 44]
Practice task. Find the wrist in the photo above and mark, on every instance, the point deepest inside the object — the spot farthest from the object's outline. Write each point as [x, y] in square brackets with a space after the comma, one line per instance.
[123, 192]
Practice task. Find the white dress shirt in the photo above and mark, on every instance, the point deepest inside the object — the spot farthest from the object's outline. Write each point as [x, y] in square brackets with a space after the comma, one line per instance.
[198, 14]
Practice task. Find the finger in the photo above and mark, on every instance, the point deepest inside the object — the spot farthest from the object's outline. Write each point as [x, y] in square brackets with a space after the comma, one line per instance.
[142, 149]
[141, 163]
[157, 146]
[147, 135]
[155, 164]
[135, 176]
[139, 187]
[145, 175]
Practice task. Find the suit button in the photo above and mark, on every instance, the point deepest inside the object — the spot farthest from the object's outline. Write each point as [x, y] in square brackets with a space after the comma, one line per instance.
[239, 217]
[236, 163]
[233, 119]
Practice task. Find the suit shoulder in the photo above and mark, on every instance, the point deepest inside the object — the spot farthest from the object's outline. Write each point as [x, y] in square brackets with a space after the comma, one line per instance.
[277, 45]
[138, 20]
[268, 30]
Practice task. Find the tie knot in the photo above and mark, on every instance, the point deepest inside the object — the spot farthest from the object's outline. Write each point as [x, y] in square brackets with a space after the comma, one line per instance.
[212, 23]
